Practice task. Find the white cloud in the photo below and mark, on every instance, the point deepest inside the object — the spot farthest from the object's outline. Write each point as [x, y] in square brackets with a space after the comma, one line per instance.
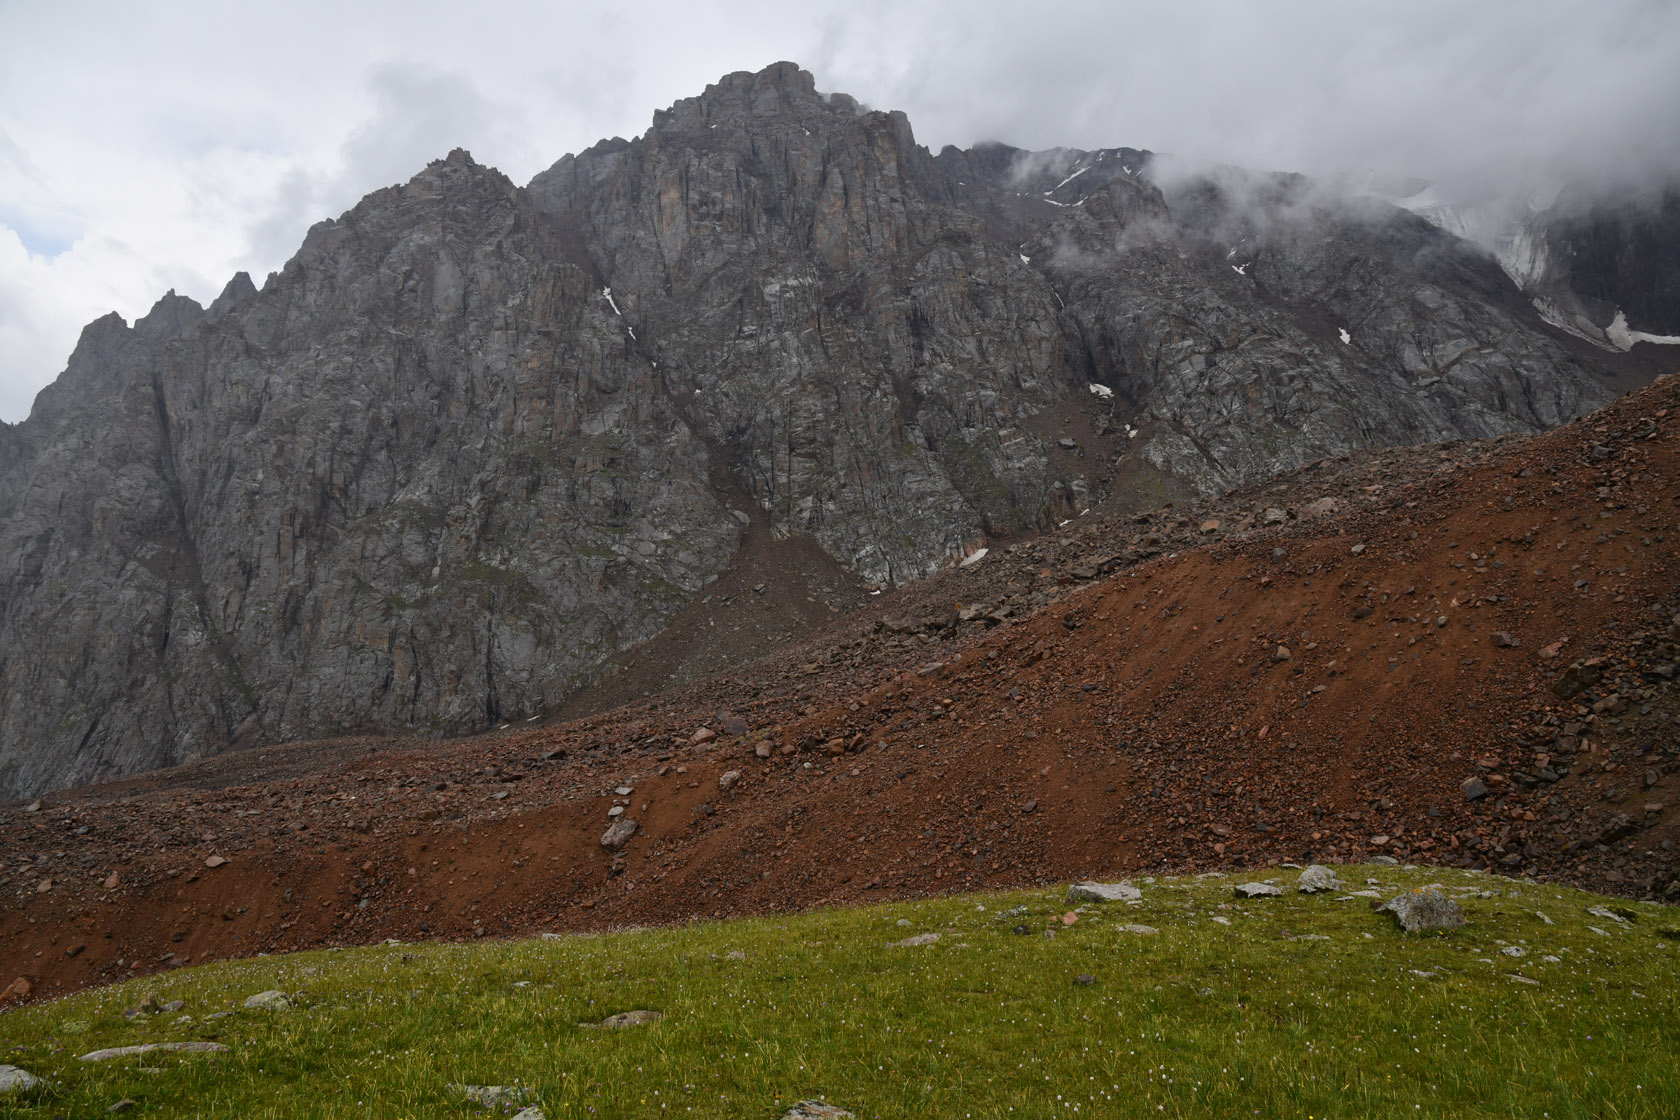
[144, 147]
[418, 113]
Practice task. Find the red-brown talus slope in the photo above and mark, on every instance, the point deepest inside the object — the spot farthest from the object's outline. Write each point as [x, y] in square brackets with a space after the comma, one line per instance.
[1132, 712]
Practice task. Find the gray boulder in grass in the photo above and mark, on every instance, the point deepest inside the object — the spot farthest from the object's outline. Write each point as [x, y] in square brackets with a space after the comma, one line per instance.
[193, 1047]
[816, 1110]
[1104, 892]
[493, 1096]
[271, 1000]
[624, 1020]
[1424, 909]
[1317, 879]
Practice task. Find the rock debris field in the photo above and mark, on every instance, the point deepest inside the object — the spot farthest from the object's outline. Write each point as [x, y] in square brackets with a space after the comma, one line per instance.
[1458, 654]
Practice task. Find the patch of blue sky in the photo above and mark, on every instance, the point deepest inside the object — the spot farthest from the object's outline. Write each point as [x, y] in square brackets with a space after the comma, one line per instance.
[41, 239]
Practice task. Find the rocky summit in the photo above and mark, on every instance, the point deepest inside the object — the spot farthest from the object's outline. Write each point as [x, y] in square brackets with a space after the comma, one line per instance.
[476, 441]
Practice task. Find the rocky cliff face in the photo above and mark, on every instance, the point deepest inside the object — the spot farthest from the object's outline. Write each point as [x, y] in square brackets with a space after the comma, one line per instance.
[1619, 256]
[1601, 264]
[474, 439]
[421, 479]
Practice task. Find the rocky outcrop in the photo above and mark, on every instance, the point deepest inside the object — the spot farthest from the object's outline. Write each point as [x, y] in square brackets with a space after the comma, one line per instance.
[474, 439]
[421, 479]
[863, 353]
[1600, 263]
[1253, 323]
[1619, 255]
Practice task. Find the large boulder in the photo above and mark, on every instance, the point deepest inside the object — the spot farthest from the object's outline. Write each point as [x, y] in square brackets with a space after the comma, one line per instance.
[272, 1000]
[1104, 892]
[13, 1079]
[618, 834]
[1424, 909]
[1317, 879]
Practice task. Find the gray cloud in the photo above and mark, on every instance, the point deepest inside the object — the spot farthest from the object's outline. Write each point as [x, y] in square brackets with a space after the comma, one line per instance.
[420, 113]
[1471, 96]
[420, 110]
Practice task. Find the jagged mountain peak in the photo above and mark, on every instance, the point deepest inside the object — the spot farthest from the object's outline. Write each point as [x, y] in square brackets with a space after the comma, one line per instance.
[782, 88]
[169, 316]
[474, 444]
[238, 291]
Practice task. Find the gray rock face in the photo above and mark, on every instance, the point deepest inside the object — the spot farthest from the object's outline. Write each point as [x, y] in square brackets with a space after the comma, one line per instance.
[473, 440]
[1256, 323]
[1620, 255]
[788, 263]
[1601, 265]
[402, 486]
[1424, 909]
[13, 1079]
[1257, 890]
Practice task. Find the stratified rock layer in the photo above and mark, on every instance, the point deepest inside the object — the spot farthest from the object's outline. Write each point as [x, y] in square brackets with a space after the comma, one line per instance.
[473, 440]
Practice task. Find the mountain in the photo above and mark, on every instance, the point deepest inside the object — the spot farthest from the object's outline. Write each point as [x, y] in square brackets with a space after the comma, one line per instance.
[1603, 265]
[1463, 655]
[475, 441]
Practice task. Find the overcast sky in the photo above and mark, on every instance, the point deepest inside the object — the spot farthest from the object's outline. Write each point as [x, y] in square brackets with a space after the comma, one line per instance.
[170, 144]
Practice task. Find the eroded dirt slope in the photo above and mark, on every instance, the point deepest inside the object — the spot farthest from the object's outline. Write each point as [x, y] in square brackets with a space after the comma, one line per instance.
[1460, 654]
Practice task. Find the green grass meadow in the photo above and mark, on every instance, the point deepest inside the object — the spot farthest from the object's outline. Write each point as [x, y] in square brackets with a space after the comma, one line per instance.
[1298, 1006]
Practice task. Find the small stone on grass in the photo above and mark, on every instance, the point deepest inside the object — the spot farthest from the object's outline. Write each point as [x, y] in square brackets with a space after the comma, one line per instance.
[919, 939]
[816, 1110]
[624, 1020]
[148, 1047]
[493, 1096]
